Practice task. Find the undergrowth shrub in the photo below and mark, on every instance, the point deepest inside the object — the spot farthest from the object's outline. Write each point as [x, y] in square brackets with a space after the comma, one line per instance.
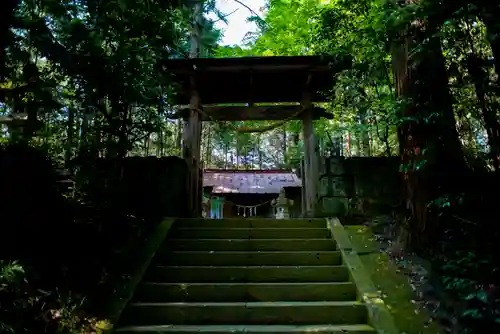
[62, 257]
[465, 254]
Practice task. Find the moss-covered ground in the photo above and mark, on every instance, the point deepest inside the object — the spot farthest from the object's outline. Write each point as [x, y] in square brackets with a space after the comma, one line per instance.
[398, 294]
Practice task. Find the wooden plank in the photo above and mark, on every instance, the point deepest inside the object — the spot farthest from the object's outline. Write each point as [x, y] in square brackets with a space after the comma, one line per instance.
[255, 113]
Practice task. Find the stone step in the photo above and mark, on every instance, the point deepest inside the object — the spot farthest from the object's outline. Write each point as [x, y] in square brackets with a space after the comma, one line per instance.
[273, 329]
[255, 258]
[250, 233]
[286, 274]
[261, 313]
[250, 223]
[239, 292]
[249, 244]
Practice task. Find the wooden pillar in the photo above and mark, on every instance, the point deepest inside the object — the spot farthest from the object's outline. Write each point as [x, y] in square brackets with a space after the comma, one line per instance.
[310, 157]
[191, 151]
[192, 130]
[303, 189]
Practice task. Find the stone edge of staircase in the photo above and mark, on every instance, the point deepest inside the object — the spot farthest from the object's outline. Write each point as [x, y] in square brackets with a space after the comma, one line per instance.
[125, 292]
[379, 315]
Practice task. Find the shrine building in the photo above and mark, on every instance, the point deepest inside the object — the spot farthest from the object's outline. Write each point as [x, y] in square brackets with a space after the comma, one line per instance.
[248, 193]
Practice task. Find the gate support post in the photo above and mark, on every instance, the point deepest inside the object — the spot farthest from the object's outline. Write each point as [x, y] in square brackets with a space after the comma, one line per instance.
[191, 151]
[192, 131]
[310, 155]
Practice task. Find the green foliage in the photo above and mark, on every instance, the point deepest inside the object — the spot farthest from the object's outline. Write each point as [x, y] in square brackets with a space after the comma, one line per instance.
[11, 274]
[102, 61]
[479, 303]
[364, 107]
[89, 76]
[22, 306]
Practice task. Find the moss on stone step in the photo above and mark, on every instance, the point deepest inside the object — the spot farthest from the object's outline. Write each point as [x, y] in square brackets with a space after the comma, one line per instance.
[250, 223]
[251, 258]
[251, 292]
[395, 287]
[186, 274]
[248, 245]
[246, 233]
[258, 313]
[275, 329]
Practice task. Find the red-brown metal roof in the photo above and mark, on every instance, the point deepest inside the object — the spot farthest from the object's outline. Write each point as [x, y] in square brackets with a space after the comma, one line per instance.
[249, 182]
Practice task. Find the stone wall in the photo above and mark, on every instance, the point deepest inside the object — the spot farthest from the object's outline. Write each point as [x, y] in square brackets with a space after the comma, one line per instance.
[358, 185]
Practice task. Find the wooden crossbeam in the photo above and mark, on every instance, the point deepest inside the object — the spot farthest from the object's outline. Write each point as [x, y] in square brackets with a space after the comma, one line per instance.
[252, 113]
[272, 64]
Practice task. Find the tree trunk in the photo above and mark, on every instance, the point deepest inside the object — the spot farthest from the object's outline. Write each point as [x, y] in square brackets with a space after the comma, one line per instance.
[179, 135]
[226, 151]
[480, 80]
[489, 16]
[260, 153]
[85, 128]
[430, 149]
[237, 153]
[208, 149]
[110, 146]
[123, 129]
[70, 134]
[161, 144]
[357, 142]
[385, 137]
[370, 144]
[147, 144]
[284, 147]
[348, 145]
[363, 134]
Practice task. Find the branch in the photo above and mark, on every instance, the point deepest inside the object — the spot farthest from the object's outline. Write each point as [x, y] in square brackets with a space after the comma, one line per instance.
[226, 15]
[250, 9]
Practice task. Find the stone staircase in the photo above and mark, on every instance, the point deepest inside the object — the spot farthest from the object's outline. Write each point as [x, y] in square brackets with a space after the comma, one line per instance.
[247, 275]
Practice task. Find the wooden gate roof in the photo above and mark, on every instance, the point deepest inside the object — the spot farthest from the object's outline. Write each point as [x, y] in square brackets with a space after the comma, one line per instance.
[255, 79]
